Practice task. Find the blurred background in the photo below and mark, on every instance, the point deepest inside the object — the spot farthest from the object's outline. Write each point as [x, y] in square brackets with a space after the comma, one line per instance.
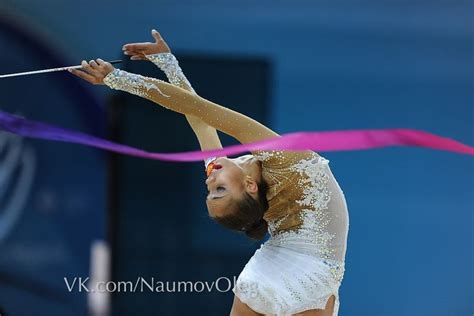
[71, 212]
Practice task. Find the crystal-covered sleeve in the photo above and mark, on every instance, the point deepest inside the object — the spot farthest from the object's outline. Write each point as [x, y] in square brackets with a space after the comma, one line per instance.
[233, 123]
[134, 84]
[168, 63]
[206, 135]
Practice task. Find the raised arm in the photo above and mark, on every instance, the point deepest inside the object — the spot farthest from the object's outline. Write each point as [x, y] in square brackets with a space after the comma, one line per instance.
[204, 116]
[237, 125]
[160, 54]
[241, 127]
[182, 101]
[206, 135]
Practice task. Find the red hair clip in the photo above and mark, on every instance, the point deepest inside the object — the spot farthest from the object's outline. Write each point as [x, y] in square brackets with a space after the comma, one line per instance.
[211, 166]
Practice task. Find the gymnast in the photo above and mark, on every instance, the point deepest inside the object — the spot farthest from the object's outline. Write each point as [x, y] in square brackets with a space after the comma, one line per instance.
[292, 195]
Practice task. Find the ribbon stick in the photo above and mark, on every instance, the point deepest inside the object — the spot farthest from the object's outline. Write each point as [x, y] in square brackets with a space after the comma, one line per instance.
[43, 71]
[317, 141]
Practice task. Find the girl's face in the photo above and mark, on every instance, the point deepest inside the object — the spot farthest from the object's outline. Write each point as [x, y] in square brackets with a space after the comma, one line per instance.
[225, 185]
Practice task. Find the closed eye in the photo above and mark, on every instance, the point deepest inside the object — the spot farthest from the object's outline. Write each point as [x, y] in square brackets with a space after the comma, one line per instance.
[219, 190]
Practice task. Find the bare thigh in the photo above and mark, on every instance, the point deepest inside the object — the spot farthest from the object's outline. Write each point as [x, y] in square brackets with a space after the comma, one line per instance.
[241, 309]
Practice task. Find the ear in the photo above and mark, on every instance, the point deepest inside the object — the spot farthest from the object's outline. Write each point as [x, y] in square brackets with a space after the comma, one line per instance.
[251, 185]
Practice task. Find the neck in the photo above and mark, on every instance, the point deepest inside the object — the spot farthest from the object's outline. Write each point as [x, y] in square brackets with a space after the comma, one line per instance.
[253, 169]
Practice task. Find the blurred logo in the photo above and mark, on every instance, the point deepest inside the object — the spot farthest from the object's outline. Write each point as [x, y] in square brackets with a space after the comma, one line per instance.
[17, 168]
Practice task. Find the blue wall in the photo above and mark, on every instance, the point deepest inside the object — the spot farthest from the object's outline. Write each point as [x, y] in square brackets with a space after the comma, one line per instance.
[337, 66]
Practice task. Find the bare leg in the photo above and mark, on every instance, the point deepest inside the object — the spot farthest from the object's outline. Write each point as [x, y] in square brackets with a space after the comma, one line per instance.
[241, 309]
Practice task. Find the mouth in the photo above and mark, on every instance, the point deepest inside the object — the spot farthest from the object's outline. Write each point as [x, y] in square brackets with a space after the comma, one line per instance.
[211, 167]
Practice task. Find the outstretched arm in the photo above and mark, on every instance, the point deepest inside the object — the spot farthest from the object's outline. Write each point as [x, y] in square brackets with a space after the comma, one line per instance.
[237, 125]
[160, 54]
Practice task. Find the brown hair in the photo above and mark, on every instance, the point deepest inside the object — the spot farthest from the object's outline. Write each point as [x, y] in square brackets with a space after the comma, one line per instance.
[248, 214]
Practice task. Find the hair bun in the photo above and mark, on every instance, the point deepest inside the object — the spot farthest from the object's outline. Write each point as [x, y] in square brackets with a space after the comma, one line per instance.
[258, 230]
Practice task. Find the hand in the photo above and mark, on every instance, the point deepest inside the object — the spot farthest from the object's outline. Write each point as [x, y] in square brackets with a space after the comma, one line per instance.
[137, 51]
[94, 71]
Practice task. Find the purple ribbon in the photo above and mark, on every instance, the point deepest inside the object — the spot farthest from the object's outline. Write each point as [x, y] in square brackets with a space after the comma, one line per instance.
[317, 141]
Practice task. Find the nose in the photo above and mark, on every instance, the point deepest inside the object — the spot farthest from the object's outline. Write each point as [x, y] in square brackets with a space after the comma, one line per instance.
[210, 179]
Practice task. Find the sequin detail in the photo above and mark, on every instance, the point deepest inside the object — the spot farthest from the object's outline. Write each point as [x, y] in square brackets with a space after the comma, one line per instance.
[297, 269]
[265, 155]
[274, 225]
[168, 63]
[132, 83]
[314, 199]
[280, 280]
[336, 268]
[314, 183]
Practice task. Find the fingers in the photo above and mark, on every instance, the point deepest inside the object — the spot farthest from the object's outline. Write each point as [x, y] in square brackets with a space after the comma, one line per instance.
[91, 67]
[132, 52]
[136, 46]
[97, 67]
[83, 75]
[101, 63]
[94, 71]
[135, 51]
[136, 54]
[160, 42]
[137, 57]
[156, 35]
[104, 67]
[94, 65]
[139, 51]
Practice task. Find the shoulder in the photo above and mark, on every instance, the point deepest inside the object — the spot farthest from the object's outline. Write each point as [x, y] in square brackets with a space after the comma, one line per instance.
[283, 159]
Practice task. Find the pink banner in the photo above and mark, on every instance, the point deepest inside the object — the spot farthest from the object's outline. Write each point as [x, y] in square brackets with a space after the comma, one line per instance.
[317, 141]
